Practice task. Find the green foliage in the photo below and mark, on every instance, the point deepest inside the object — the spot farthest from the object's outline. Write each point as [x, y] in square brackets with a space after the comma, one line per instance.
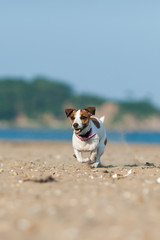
[39, 96]
[84, 100]
[11, 98]
[138, 109]
[32, 97]
[44, 96]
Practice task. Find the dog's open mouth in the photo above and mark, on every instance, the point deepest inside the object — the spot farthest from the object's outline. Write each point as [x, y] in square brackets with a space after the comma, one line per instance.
[78, 130]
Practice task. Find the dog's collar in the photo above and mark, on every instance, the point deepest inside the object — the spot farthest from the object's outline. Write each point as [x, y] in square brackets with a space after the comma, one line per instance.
[86, 136]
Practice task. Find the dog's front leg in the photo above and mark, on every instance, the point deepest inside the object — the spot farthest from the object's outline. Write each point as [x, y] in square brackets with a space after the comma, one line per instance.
[79, 156]
[94, 159]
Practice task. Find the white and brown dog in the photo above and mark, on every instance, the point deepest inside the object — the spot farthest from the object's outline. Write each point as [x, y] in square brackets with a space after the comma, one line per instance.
[89, 134]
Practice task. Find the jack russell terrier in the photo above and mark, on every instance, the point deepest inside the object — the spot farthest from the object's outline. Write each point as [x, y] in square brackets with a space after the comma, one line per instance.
[89, 134]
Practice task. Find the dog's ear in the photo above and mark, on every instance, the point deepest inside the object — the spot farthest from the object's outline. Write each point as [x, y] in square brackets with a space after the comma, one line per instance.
[91, 110]
[68, 111]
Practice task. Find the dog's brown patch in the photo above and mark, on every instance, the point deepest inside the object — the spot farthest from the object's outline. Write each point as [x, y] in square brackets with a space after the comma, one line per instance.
[96, 122]
[105, 142]
[72, 116]
[85, 117]
[91, 110]
[69, 111]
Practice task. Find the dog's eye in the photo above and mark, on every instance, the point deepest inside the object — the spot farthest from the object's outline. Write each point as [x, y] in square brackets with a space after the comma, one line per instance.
[72, 118]
[83, 117]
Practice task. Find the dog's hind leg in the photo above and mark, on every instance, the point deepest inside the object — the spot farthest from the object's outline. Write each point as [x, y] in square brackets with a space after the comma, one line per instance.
[99, 153]
[96, 163]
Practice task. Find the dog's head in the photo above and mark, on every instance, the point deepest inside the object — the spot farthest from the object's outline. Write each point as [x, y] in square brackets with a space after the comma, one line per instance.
[80, 118]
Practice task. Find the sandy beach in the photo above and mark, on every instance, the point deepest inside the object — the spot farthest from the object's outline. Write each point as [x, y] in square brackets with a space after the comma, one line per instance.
[46, 194]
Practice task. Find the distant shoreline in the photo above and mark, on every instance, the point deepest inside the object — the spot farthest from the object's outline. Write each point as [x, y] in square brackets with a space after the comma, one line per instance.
[50, 134]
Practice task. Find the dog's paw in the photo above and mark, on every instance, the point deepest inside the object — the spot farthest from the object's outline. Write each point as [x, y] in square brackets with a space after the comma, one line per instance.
[94, 165]
[85, 160]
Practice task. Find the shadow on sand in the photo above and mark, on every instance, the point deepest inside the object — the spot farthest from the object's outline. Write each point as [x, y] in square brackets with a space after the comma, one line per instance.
[147, 164]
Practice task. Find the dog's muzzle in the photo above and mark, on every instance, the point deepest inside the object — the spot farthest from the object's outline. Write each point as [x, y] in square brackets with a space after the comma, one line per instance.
[77, 128]
[75, 125]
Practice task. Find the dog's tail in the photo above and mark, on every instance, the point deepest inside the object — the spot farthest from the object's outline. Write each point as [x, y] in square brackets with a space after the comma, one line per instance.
[102, 119]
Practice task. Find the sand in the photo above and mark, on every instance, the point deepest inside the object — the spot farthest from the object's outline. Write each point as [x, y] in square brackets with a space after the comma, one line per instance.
[120, 200]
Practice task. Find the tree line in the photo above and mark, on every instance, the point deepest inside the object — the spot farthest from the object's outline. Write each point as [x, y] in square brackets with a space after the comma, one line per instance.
[42, 95]
[39, 96]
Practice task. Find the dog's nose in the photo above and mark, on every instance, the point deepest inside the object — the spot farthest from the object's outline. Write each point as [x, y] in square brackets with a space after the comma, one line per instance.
[75, 125]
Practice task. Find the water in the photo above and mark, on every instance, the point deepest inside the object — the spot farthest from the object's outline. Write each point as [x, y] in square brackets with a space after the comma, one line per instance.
[66, 135]
[35, 134]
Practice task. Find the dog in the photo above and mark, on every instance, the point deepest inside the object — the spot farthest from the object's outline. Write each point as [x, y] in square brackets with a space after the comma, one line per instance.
[89, 135]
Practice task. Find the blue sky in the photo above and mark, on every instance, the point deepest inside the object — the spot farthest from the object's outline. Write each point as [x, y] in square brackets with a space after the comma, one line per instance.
[109, 48]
